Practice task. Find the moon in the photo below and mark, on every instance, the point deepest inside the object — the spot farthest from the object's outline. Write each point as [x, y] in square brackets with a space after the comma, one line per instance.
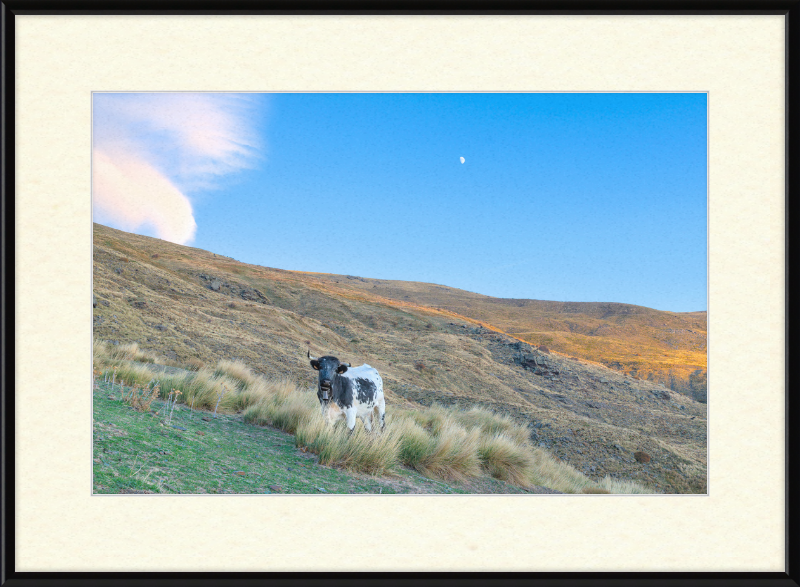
[462, 160]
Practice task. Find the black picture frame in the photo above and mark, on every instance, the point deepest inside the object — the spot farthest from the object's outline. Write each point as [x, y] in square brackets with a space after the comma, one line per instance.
[11, 8]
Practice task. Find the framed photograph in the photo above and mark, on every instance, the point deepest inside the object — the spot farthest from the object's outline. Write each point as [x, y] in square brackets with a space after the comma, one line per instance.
[668, 104]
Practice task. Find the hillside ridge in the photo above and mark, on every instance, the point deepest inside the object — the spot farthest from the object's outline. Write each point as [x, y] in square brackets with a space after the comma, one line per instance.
[663, 347]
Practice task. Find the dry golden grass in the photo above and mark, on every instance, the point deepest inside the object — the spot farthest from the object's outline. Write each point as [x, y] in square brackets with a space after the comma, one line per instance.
[129, 373]
[347, 317]
[505, 458]
[491, 424]
[623, 486]
[549, 472]
[286, 412]
[356, 451]
[416, 445]
[131, 352]
[635, 340]
[100, 354]
[453, 454]
[236, 370]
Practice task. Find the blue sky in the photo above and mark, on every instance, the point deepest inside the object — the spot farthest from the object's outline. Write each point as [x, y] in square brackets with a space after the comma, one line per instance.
[569, 197]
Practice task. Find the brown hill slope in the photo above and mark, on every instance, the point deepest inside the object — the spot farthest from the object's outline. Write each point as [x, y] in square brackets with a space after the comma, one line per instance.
[190, 304]
[663, 347]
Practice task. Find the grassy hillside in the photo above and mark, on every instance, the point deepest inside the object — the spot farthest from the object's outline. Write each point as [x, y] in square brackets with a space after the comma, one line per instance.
[664, 347]
[194, 307]
[140, 413]
[198, 453]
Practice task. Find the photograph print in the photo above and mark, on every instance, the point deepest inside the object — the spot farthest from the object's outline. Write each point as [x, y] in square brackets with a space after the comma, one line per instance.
[399, 293]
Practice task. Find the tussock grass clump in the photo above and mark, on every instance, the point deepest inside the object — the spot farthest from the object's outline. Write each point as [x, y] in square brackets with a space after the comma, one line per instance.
[612, 485]
[360, 451]
[455, 456]
[131, 352]
[416, 445]
[206, 390]
[108, 355]
[203, 390]
[289, 414]
[451, 453]
[549, 472]
[283, 410]
[236, 370]
[431, 419]
[129, 374]
[433, 442]
[505, 458]
[491, 424]
[100, 354]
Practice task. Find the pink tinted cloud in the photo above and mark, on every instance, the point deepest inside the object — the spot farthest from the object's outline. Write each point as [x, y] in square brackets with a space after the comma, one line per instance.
[131, 193]
[151, 150]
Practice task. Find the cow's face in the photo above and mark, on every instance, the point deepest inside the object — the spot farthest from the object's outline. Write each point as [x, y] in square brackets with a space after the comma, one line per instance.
[328, 368]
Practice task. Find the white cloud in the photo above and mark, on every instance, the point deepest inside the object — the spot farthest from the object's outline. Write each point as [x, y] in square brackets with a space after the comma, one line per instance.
[132, 194]
[151, 150]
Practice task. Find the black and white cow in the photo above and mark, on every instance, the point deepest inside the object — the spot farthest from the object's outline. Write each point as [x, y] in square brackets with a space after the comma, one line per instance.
[346, 392]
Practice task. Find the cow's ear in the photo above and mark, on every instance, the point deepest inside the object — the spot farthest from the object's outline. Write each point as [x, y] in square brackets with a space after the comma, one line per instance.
[341, 368]
[315, 364]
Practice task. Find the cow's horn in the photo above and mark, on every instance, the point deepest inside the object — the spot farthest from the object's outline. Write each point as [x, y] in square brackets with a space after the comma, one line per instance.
[310, 357]
[348, 365]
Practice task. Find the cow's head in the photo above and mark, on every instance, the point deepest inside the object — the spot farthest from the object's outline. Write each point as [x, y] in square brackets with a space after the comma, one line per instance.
[328, 368]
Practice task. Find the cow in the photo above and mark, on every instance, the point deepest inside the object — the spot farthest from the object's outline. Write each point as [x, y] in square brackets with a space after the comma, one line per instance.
[348, 393]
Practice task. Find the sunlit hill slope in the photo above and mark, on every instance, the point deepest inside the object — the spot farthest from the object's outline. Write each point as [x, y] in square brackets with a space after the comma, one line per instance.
[664, 347]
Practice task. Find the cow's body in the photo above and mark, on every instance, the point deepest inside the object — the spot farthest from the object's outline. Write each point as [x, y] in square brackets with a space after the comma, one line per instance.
[349, 393]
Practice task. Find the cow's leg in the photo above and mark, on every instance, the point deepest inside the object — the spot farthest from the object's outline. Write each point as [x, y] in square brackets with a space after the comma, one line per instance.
[367, 419]
[351, 418]
[382, 412]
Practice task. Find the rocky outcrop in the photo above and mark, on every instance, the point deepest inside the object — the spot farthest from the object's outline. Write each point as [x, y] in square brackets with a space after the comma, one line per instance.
[539, 364]
[249, 294]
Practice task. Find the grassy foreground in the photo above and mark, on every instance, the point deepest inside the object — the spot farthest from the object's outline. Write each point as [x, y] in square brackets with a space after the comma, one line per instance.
[136, 452]
[211, 430]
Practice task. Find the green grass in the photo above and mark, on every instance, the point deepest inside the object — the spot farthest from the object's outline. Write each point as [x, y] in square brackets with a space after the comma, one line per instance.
[137, 452]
